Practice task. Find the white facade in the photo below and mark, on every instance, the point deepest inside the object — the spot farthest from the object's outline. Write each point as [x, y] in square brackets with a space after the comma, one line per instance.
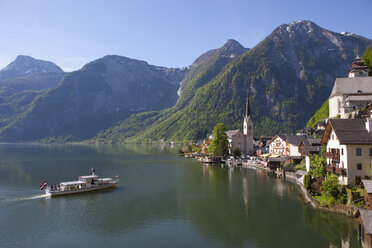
[292, 150]
[347, 158]
[307, 163]
[278, 146]
[248, 134]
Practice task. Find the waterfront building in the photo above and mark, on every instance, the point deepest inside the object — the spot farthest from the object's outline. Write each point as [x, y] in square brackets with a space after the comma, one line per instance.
[349, 149]
[261, 146]
[351, 94]
[278, 145]
[367, 193]
[365, 227]
[293, 143]
[308, 147]
[244, 141]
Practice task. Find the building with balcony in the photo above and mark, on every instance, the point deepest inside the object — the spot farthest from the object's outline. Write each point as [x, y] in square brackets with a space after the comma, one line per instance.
[349, 149]
[308, 147]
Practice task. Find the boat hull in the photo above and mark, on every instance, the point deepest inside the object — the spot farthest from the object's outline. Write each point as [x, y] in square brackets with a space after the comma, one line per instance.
[75, 191]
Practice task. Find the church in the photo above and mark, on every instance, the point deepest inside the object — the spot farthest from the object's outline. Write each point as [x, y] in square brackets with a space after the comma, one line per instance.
[352, 93]
[244, 141]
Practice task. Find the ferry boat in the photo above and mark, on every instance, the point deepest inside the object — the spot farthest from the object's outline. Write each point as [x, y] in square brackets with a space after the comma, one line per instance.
[83, 184]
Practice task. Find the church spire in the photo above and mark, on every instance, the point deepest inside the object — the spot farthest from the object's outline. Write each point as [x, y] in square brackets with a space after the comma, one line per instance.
[247, 107]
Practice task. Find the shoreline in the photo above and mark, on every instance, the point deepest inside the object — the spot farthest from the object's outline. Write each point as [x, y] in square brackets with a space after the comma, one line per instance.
[349, 211]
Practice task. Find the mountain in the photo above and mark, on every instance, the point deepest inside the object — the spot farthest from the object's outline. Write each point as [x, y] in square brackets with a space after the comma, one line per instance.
[26, 65]
[202, 71]
[21, 82]
[288, 75]
[102, 92]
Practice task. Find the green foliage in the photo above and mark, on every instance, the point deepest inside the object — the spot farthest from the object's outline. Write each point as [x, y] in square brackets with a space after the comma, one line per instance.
[332, 192]
[219, 145]
[331, 186]
[300, 166]
[319, 115]
[309, 183]
[236, 152]
[195, 149]
[319, 170]
[367, 57]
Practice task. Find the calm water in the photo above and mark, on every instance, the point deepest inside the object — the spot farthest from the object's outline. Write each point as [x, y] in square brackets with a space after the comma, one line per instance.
[163, 201]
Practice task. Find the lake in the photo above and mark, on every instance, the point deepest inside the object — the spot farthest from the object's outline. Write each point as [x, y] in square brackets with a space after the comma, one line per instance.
[163, 200]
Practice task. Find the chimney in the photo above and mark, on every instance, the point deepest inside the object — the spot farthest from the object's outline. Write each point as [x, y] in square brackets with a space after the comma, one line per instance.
[369, 122]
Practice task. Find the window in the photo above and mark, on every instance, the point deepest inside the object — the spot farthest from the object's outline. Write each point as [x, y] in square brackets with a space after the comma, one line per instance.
[333, 137]
[342, 151]
[370, 151]
[343, 166]
[359, 167]
[359, 152]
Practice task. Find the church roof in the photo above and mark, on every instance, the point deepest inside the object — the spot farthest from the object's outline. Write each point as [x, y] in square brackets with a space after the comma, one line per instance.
[352, 85]
[232, 133]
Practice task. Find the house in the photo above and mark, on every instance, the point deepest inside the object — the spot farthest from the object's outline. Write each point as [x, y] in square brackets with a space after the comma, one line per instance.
[348, 148]
[261, 146]
[244, 141]
[367, 193]
[351, 94]
[308, 147]
[321, 125]
[205, 145]
[365, 227]
[293, 143]
[278, 145]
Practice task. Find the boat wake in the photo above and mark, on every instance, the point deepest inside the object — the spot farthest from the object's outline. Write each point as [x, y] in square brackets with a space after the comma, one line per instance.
[24, 198]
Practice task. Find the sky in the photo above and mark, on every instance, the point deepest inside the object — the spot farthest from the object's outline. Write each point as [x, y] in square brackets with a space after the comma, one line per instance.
[167, 33]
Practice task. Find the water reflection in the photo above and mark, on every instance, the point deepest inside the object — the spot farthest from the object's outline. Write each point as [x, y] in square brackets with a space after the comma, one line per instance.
[164, 199]
[244, 207]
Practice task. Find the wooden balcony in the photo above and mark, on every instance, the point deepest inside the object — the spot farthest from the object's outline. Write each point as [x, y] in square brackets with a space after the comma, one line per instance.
[331, 155]
[335, 170]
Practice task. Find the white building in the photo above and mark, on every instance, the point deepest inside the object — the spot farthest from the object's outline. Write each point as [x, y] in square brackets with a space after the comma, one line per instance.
[278, 145]
[352, 93]
[349, 149]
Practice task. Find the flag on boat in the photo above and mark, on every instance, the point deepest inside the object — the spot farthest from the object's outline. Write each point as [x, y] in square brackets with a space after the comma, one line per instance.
[42, 186]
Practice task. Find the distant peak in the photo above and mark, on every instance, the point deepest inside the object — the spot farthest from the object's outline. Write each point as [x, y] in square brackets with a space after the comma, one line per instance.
[25, 65]
[232, 44]
[306, 22]
[24, 57]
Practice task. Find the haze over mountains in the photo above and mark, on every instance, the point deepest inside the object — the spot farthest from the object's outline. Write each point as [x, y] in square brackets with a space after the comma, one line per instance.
[288, 77]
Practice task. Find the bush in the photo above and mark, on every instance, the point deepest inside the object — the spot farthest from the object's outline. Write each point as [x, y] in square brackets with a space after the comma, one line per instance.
[309, 183]
[236, 152]
[331, 186]
[300, 166]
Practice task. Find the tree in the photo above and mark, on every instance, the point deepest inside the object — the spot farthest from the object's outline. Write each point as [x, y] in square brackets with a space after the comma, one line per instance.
[219, 145]
[331, 186]
[318, 163]
[236, 152]
[367, 57]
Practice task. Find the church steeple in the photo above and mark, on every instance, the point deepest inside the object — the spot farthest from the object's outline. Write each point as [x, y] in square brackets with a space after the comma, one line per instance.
[248, 128]
[247, 107]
